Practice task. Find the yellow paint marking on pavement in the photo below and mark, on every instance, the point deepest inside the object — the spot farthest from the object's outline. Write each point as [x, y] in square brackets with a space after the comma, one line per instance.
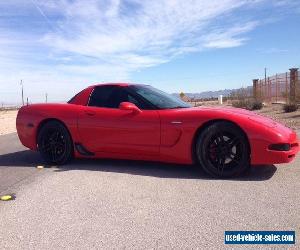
[6, 197]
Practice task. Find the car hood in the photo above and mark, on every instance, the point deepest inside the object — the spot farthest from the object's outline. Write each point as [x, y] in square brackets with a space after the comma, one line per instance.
[252, 116]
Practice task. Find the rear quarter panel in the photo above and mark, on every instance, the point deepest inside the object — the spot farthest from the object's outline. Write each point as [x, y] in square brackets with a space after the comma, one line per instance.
[30, 118]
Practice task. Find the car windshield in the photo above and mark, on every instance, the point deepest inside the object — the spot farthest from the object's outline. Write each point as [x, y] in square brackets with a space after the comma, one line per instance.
[159, 98]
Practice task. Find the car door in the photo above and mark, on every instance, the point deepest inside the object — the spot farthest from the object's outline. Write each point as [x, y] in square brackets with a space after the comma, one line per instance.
[103, 127]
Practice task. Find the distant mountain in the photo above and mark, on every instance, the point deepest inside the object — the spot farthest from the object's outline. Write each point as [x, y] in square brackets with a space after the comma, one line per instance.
[214, 94]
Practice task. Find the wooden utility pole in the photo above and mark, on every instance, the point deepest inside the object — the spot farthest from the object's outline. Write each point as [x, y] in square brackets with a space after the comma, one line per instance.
[46, 97]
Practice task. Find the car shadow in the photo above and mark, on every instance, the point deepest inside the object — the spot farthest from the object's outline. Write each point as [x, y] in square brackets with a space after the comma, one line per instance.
[32, 159]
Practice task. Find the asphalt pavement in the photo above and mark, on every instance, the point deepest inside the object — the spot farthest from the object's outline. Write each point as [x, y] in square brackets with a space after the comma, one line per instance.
[105, 204]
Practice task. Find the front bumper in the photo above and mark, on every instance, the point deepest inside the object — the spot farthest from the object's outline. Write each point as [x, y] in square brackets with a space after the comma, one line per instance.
[263, 155]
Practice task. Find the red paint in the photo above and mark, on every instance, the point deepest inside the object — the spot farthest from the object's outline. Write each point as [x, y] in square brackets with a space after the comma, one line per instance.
[158, 135]
[119, 131]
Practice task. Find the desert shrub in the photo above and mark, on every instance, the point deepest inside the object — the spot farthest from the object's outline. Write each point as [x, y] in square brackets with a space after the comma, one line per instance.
[240, 103]
[247, 104]
[256, 105]
[290, 107]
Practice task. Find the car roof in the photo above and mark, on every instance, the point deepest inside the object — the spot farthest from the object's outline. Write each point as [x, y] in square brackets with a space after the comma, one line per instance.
[122, 84]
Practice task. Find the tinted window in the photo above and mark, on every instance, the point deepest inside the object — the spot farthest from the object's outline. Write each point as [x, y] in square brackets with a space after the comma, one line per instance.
[158, 98]
[101, 95]
[112, 96]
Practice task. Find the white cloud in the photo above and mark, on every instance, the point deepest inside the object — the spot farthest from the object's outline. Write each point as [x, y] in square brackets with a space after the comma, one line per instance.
[145, 33]
[159, 29]
[229, 38]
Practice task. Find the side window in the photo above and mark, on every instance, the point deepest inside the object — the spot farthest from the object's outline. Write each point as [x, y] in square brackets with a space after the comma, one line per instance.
[112, 96]
[101, 95]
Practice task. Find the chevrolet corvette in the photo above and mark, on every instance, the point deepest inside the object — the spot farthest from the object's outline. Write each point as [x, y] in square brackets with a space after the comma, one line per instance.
[139, 122]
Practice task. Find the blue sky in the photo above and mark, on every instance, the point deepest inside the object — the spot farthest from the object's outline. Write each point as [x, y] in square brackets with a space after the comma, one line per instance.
[62, 46]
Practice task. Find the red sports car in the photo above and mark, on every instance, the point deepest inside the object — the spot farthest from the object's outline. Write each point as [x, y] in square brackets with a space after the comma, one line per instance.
[131, 121]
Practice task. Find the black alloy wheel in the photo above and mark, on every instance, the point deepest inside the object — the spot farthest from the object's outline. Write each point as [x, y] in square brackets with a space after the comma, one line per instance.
[54, 143]
[222, 150]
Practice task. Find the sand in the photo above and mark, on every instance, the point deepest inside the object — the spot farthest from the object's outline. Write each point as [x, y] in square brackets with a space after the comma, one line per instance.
[8, 121]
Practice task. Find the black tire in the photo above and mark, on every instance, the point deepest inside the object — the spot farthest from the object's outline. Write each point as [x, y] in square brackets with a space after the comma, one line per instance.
[222, 150]
[55, 143]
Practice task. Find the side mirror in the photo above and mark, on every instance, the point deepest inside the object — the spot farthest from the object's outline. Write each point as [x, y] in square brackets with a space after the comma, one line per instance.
[129, 106]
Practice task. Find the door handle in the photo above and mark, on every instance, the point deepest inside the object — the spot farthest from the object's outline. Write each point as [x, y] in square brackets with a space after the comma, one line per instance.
[90, 113]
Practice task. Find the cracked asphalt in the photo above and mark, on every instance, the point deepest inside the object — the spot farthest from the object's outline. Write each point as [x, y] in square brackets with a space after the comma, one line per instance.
[107, 204]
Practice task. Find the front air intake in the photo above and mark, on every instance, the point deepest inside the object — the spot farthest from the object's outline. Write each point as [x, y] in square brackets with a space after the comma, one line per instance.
[280, 147]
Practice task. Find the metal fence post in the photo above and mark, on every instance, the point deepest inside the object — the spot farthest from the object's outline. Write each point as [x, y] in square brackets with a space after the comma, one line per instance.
[286, 88]
[276, 86]
[293, 83]
[255, 89]
[269, 90]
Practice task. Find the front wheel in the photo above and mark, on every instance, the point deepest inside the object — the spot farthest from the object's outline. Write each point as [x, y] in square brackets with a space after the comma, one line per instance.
[55, 143]
[222, 150]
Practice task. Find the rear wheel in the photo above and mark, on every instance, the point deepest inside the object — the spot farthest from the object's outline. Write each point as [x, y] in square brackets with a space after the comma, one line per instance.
[222, 150]
[55, 143]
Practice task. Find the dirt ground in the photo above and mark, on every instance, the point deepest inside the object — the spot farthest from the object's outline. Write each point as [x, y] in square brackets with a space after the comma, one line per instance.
[276, 112]
[292, 120]
[8, 121]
